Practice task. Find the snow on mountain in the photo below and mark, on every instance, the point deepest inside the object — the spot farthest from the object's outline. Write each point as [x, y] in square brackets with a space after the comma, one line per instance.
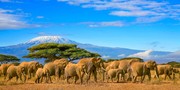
[45, 39]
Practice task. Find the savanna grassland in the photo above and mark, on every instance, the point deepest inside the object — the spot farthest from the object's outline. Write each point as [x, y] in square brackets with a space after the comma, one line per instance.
[154, 84]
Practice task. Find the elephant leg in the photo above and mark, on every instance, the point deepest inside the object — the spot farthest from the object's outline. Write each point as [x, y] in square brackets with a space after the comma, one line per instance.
[46, 79]
[42, 79]
[174, 76]
[36, 79]
[123, 77]
[129, 77]
[142, 78]
[20, 77]
[24, 77]
[16, 78]
[82, 77]
[169, 76]
[107, 78]
[75, 79]
[118, 78]
[95, 76]
[39, 79]
[29, 74]
[134, 79]
[165, 76]
[111, 79]
[5, 76]
[88, 78]
[149, 76]
[57, 74]
[8, 78]
[103, 74]
[50, 79]
[67, 79]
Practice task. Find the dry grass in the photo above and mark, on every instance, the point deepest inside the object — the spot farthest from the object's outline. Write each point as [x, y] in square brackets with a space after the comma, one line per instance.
[154, 84]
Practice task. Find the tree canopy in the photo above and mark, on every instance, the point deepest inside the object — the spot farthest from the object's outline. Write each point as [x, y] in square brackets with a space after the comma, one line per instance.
[8, 58]
[52, 51]
[126, 58]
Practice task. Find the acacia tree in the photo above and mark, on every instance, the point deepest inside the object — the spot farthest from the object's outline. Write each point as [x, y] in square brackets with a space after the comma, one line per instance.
[8, 58]
[52, 51]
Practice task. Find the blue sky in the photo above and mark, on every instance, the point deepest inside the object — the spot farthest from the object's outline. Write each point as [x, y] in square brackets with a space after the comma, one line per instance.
[135, 24]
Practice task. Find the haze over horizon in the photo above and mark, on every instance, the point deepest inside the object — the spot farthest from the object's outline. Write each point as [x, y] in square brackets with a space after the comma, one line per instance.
[135, 24]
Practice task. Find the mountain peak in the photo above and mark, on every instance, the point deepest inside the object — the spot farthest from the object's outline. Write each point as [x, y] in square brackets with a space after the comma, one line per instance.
[45, 39]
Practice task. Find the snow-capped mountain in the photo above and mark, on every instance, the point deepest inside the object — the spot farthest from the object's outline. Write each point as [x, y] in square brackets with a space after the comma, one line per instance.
[44, 39]
[20, 50]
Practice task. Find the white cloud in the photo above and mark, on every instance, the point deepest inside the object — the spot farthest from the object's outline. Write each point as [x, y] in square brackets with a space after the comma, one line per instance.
[174, 56]
[105, 57]
[12, 21]
[151, 11]
[121, 55]
[11, 1]
[76, 2]
[5, 0]
[133, 13]
[104, 24]
[148, 19]
[40, 17]
[145, 55]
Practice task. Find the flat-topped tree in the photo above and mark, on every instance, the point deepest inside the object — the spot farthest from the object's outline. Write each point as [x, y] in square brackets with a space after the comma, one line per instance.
[52, 51]
[8, 58]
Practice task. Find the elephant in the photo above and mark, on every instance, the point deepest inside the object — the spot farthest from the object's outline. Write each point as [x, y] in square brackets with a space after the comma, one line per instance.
[55, 68]
[91, 64]
[39, 75]
[122, 64]
[176, 71]
[106, 64]
[30, 68]
[16, 71]
[112, 73]
[167, 70]
[141, 69]
[74, 70]
[4, 68]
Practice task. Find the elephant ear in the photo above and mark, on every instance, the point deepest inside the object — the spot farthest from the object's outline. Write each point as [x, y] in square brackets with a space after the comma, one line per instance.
[64, 65]
[84, 68]
[93, 60]
[90, 66]
[96, 60]
[37, 64]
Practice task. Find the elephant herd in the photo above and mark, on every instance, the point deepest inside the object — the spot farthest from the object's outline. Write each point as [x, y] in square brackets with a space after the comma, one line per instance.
[125, 70]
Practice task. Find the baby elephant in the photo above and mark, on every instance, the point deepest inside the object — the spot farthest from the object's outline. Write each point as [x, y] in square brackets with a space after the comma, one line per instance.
[112, 73]
[16, 71]
[39, 75]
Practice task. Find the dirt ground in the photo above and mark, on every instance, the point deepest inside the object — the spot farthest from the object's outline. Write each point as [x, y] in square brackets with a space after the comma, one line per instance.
[170, 85]
[154, 84]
